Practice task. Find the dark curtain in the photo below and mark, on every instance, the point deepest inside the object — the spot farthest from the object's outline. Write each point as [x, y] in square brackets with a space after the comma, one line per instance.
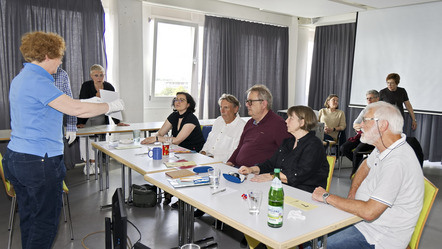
[79, 22]
[239, 54]
[332, 66]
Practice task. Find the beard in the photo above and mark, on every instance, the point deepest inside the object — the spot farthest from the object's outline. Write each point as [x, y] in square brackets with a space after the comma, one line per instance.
[370, 136]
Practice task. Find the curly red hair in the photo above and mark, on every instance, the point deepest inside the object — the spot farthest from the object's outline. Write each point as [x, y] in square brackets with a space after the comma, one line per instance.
[36, 45]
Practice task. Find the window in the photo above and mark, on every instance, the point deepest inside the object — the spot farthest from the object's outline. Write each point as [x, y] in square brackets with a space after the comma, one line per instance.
[175, 58]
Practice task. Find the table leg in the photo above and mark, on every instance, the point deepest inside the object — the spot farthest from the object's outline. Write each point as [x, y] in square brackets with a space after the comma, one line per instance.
[189, 222]
[99, 160]
[181, 232]
[315, 243]
[107, 171]
[129, 181]
[123, 181]
[87, 157]
[96, 159]
[324, 241]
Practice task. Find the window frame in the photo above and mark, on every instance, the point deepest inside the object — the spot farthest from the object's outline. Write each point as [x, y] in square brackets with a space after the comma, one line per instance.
[194, 73]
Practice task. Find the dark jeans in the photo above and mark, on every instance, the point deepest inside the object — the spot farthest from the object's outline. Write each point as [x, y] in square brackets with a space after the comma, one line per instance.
[38, 184]
[351, 151]
[347, 238]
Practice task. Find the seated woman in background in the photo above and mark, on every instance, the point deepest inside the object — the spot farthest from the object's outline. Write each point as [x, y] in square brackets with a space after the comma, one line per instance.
[301, 158]
[186, 129]
[90, 89]
[333, 118]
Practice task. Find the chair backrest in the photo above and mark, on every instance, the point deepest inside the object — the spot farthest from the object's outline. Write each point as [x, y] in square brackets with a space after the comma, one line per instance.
[429, 196]
[8, 186]
[331, 162]
[319, 130]
[206, 130]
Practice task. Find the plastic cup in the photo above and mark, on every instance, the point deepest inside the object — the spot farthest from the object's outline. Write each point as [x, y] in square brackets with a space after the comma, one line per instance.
[190, 246]
[214, 175]
[136, 136]
[254, 199]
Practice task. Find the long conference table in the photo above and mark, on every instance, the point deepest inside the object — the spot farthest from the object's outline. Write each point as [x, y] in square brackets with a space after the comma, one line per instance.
[229, 206]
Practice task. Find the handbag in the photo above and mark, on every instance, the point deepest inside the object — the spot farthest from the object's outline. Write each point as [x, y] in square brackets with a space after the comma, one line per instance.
[144, 195]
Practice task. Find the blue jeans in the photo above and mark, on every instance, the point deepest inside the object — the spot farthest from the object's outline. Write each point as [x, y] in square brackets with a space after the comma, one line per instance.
[38, 184]
[346, 238]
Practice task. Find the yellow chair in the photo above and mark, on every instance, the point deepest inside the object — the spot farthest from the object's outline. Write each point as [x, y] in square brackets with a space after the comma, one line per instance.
[10, 192]
[429, 196]
[331, 161]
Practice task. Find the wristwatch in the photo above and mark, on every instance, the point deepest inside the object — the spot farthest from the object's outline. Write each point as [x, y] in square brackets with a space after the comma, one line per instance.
[334, 129]
[325, 196]
[156, 138]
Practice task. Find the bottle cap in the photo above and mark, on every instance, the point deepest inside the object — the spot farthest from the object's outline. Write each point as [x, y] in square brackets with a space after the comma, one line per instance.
[277, 170]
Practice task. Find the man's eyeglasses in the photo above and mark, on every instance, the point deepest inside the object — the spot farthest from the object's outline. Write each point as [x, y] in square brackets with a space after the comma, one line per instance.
[179, 100]
[250, 101]
[370, 98]
[368, 119]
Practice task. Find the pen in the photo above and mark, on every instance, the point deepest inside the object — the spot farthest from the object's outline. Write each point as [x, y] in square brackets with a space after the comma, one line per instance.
[219, 191]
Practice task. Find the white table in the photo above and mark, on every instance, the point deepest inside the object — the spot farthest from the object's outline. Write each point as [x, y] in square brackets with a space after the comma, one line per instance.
[138, 160]
[230, 208]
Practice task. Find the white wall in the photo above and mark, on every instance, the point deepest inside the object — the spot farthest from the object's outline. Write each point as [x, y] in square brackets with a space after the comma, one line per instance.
[132, 65]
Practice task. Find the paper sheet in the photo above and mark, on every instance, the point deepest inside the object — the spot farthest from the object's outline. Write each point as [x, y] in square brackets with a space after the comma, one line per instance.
[109, 96]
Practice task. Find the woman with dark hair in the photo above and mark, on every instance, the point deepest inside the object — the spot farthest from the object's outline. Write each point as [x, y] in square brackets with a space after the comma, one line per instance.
[186, 129]
[301, 158]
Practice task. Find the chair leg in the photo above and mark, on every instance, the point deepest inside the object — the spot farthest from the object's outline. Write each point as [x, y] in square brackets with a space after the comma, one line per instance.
[64, 208]
[69, 215]
[11, 221]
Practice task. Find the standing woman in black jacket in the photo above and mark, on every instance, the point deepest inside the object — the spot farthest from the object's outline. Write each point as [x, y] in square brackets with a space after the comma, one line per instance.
[301, 158]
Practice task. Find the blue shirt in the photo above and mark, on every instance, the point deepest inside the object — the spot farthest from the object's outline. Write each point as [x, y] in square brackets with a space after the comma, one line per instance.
[62, 82]
[36, 127]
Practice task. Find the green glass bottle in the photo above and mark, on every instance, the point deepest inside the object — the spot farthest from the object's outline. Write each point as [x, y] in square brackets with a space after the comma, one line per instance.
[276, 201]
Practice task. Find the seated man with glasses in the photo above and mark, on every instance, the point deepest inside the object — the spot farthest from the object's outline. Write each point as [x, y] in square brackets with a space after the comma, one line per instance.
[387, 190]
[353, 145]
[263, 133]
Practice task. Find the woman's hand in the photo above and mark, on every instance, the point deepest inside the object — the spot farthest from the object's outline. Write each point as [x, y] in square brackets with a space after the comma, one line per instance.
[327, 130]
[244, 170]
[262, 178]
[123, 124]
[149, 140]
[80, 125]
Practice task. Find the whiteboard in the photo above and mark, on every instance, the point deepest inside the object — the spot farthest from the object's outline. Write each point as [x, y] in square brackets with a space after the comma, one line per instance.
[403, 40]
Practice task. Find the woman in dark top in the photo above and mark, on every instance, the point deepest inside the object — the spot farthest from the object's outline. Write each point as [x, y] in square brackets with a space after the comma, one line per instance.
[186, 129]
[90, 89]
[301, 158]
[397, 96]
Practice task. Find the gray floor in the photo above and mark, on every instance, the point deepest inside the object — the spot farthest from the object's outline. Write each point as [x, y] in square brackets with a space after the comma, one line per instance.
[158, 225]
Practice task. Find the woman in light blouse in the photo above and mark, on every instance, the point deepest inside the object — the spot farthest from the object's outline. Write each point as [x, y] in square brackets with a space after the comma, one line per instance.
[332, 117]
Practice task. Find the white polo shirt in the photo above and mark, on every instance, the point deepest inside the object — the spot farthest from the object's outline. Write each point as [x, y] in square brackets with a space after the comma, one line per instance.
[396, 180]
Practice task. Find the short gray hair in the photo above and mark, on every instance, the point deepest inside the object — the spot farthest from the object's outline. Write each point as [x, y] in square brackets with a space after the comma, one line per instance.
[373, 92]
[229, 98]
[96, 67]
[263, 93]
[390, 113]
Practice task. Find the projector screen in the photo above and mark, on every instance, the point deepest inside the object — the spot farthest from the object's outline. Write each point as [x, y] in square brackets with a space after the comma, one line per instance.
[403, 40]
